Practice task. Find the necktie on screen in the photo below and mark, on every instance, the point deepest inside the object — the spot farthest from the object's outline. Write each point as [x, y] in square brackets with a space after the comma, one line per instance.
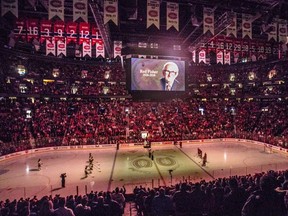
[168, 87]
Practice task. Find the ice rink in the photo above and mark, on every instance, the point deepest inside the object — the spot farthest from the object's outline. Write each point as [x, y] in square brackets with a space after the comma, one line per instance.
[131, 166]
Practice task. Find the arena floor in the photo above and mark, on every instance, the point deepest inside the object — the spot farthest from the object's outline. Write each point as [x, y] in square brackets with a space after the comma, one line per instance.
[131, 166]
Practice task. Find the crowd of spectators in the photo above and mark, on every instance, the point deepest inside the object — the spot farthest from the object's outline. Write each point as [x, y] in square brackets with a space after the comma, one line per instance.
[37, 123]
[110, 203]
[245, 101]
[251, 195]
[37, 108]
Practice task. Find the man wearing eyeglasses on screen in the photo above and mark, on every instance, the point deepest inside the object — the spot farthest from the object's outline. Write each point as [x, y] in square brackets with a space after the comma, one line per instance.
[170, 72]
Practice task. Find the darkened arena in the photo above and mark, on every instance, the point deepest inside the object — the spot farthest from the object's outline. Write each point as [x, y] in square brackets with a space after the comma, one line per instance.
[144, 108]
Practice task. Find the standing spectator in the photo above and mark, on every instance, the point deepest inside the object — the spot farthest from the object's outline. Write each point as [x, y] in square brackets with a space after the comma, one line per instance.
[218, 193]
[46, 207]
[162, 204]
[265, 201]
[63, 210]
[234, 200]
[197, 199]
[148, 203]
[119, 197]
[100, 208]
[181, 200]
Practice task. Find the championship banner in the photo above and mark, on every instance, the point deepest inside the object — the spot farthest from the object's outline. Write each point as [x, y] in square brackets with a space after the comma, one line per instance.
[86, 49]
[84, 32]
[100, 50]
[9, 6]
[50, 47]
[172, 16]
[111, 11]
[45, 30]
[32, 29]
[232, 29]
[71, 32]
[56, 8]
[94, 33]
[61, 47]
[20, 29]
[246, 26]
[80, 10]
[117, 48]
[202, 56]
[153, 13]
[282, 31]
[227, 57]
[208, 20]
[219, 57]
[272, 34]
[59, 29]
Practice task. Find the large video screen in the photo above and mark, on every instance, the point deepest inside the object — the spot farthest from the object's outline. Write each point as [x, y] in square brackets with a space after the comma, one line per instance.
[157, 75]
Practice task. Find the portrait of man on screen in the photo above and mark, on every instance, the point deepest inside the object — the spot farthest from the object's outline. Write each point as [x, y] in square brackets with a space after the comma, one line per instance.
[169, 82]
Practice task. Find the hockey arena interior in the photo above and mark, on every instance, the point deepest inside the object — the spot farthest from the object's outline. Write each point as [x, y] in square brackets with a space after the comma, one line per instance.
[143, 107]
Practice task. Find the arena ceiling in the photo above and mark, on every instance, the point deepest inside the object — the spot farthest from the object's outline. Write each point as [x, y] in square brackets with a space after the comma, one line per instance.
[132, 29]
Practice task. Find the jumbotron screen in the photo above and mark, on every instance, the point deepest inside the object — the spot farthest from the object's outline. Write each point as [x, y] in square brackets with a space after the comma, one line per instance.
[157, 75]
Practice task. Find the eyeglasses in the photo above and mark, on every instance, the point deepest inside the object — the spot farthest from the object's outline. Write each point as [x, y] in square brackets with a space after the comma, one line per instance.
[173, 73]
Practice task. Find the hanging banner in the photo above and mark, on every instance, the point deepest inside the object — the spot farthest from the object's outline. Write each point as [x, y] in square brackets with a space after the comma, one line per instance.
[227, 57]
[202, 56]
[59, 29]
[111, 11]
[208, 20]
[117, 48]
[84, 32]
[246, 26]
[272, 33]
[172, 16]
[86, 49]
[80, 10]
[45, 30]
[153, 14]
[56, 8]
[219, 57]
[32, 29]
[61, 47]
[71, 32]
[232, 29]
[9, 6]
[50, 47]
[194, 56]
[245, 48]
[94, 33]
[20, 30]
[100, 50]
[282, 31]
